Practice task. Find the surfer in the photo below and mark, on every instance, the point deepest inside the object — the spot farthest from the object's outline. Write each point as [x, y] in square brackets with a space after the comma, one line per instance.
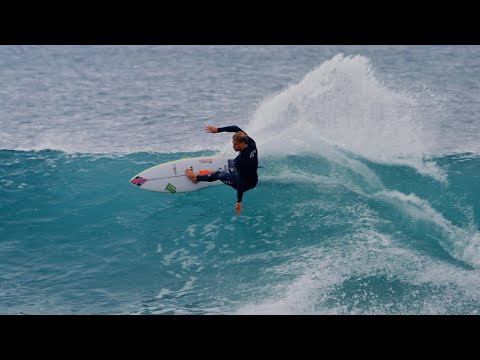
[244, 175]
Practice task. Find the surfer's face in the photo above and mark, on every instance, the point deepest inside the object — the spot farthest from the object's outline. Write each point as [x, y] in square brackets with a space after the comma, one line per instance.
[238, 146]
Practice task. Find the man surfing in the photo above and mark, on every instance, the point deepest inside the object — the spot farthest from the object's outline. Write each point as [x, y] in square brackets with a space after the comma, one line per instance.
[244, 176]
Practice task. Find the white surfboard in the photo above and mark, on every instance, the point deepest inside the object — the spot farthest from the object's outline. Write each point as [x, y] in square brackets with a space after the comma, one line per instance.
[170, 177]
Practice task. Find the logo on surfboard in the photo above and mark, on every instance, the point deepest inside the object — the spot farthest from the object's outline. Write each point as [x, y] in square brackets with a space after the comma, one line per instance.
[139, 181]
[171, 188]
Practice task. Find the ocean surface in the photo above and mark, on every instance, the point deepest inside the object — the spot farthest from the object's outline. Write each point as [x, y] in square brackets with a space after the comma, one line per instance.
[368, 199]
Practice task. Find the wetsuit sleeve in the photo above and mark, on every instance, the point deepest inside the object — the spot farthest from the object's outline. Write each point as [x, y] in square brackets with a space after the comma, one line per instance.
[229, 129]
[239, 193]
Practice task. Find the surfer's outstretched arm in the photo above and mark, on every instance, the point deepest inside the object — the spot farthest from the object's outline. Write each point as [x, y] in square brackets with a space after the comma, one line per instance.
[213, 129]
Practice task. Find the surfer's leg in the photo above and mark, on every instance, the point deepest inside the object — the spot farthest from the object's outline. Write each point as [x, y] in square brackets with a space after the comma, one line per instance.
[210, 177]
[224, 176]
[228, 178]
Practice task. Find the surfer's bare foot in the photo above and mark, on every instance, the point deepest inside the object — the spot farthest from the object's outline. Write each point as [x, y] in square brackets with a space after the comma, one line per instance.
[191, 175]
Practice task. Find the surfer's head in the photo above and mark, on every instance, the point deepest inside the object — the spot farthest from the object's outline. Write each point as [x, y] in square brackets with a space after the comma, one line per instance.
[239, 141]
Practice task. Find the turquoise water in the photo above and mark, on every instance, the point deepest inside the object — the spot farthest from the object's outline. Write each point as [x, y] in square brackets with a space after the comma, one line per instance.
[367, 202]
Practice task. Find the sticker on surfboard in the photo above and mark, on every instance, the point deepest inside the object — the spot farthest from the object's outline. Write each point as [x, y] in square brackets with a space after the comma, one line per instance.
[170, 188]
[139, 181]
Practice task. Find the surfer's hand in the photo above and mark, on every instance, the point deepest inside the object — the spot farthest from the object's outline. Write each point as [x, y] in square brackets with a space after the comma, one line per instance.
[238, 207]
[211, 129]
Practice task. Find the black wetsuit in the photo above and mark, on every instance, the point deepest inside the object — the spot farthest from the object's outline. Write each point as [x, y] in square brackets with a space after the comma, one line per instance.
[244, 177]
